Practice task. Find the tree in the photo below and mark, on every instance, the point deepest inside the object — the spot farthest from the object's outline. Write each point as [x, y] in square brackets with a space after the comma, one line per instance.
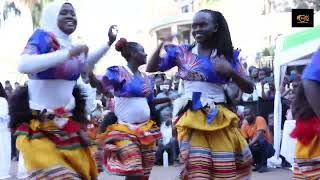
[35, 7]
[286, 6]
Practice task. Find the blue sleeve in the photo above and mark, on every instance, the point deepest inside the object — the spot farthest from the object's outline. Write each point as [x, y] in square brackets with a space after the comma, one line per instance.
[235, 63]
[169, 59]
[312, 71]
[112, 78]
[38, 43]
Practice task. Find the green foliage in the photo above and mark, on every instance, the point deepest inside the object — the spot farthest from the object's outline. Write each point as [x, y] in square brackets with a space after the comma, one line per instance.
[36, 10]
[35, 6]
[268, 51]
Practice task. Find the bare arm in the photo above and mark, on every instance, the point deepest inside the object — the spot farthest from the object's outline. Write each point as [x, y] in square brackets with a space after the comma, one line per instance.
[244, 84]
[95, 83]
[161, 101]
[255, 139]
[312, 89]
[153, 64]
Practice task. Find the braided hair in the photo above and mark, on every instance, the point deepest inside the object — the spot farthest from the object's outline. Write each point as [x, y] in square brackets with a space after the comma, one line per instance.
[221, 40]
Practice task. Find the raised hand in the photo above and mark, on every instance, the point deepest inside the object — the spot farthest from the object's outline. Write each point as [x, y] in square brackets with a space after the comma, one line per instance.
[77, 50]
[223, 66]
[112, 33]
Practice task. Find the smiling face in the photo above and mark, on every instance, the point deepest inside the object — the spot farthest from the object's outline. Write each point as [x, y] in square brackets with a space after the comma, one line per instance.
[203, 27]
[67, 20]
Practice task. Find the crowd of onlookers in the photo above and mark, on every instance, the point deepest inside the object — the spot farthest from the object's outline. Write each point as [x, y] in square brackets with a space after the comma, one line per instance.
[256, 112]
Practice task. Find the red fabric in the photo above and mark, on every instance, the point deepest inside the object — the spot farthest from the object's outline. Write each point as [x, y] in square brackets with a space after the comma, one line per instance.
[60, 111]
[306, 129]
[71, 126]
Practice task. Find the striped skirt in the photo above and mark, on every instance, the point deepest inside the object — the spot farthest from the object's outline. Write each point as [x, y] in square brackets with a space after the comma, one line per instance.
[307, 161]
[212, 151]
[52, 153]
[127, 152]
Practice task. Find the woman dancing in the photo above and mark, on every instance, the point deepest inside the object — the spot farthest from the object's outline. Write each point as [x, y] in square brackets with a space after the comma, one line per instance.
[211, 146]
[48, 114]
[128, 141]
[306, 111]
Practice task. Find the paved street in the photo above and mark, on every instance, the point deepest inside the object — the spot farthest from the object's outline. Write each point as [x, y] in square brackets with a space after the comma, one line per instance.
[171, 173]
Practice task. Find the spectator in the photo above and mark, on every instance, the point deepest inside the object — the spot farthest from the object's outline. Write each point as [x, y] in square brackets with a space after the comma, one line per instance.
[5, 136]
[257, 133]
[169, 144]
[16, 85]
[8, 88]
[165, 109]
[254, 74]
[263, 85]
[158, 80]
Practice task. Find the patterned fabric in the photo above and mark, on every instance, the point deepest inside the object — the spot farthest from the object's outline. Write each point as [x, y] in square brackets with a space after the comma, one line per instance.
[193, 67]
[54, 173]
[307, 161]
[66, 138]
[213, 151]
[125, 84]
[44, 147]
[42, 42]
[129, 152]
[312, 71]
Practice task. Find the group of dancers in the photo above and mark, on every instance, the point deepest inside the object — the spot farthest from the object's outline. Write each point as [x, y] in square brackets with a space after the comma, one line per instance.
[49, 119]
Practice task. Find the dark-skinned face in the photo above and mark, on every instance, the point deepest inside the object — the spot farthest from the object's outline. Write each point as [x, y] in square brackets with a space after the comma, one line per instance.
[67, 20]
[262, 75]
[203, 28]
[139, 56]
[248, 115]
[254, 73]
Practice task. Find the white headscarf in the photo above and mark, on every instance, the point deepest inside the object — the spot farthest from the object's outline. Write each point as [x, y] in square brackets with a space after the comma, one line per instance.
[49, 22]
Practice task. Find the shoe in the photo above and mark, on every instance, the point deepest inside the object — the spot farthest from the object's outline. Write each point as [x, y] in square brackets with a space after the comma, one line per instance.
[256, 168]
[15, 158]
[263, 169]
[285, 164]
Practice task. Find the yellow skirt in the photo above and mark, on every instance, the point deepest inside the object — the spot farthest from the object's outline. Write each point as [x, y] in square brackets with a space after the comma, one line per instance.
[307, 161]
[128, 152]
[44, 160]
[213, 151]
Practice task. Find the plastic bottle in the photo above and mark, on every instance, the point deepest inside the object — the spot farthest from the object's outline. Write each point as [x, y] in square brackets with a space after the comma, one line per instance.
[165, 159]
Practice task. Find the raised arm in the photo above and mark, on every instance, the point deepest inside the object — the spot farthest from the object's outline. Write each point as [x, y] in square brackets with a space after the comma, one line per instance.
[153, 64]
[95, 55]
